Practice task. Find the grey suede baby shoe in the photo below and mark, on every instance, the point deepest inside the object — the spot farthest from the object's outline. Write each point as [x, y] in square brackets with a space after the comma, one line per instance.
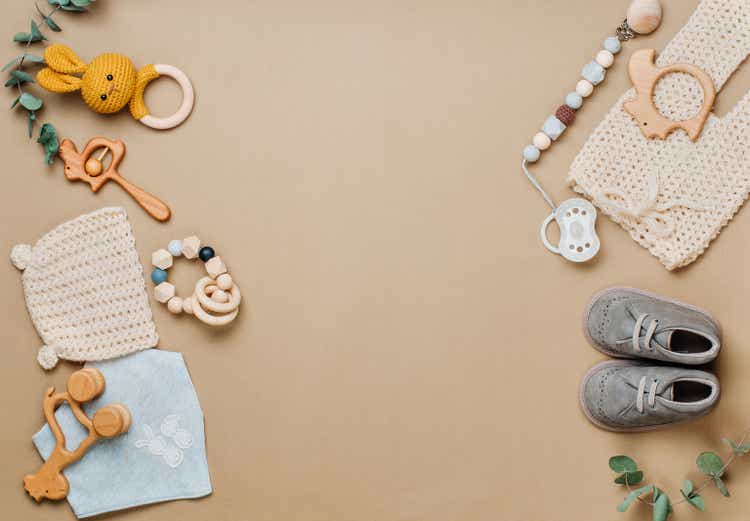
[632, 323]
[630, 396]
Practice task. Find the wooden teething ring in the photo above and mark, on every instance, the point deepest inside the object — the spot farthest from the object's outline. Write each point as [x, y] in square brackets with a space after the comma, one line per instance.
[109, 421]
[645, 75]
[215, 300]
[188, 98]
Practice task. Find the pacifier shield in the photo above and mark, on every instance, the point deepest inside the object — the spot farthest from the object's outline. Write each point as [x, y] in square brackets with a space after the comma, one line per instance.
[577, 221]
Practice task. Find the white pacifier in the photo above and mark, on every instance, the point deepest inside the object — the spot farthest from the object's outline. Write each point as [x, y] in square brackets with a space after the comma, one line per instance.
[577, 221]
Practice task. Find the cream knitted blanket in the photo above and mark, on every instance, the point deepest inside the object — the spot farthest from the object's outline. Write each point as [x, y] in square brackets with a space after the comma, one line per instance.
[674, 196]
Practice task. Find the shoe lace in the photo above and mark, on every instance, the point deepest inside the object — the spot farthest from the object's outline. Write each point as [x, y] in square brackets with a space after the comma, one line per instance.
[642, 393]
[649, 332]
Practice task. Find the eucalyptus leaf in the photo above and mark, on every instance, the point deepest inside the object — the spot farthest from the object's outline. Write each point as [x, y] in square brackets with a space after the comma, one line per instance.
[661, 507]
[12, 82]
[81, 3]
[23, 77]
[629, 478]
[15, 102]
[740, 450]
[11, 63]
[635, 495]
[61, 3]
[22, 37]
[48, 138]
[73, 9]
[710, 464]
[697, 502]
[51, 24]
[31, 102]
[36, 34]
[622, 463]
[721, 486]
[687, 488]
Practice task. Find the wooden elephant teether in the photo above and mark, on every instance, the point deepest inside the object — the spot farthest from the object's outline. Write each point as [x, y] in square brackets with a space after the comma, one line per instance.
[90, 169]
[645, 75]
[109, 421]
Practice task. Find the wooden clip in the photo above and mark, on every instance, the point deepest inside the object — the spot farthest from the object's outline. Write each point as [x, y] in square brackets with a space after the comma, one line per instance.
[83, 167]
[109, 421]
[645, 75]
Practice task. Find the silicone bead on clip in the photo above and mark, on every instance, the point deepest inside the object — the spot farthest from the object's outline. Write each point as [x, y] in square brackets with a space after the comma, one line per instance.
[612, 44]
[584, 88]
[565, 114]
[574, 100]
[593, 72]
[553, 127]
[541, 141]
[605, 58]
[531, 153]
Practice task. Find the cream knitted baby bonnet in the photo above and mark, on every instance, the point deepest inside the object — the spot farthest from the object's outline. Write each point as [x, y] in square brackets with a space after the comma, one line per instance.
[85, 291]
[674, 196]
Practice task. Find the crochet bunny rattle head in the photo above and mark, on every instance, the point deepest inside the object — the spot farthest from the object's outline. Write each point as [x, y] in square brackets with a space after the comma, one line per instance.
[110, 82]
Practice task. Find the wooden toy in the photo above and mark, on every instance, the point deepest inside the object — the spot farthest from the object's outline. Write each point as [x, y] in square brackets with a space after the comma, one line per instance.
[645, 75]
[216, 298]
[110, 82]
[109, 421]
[85, 167]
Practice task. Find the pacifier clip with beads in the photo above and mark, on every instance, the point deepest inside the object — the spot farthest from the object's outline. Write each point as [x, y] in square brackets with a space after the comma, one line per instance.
[576, 217]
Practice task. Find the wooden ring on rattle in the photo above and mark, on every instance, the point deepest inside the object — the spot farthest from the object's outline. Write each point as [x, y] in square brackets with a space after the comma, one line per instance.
[645, 75]
[188, 99]
[217, 307]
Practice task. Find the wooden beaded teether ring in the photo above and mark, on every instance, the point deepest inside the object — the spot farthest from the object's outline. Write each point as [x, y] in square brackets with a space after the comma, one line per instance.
[645, 75]
[109, 421]
[216, 298]
[85, 167]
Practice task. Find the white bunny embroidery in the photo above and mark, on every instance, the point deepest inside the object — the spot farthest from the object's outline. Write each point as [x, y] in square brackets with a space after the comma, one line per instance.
[158, 445]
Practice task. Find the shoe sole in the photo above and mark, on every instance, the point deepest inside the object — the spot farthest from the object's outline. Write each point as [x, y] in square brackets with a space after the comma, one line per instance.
[604, 426]
[643, 293]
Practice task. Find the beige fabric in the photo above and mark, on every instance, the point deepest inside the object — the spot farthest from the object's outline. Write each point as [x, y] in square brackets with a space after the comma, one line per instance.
[85, 291]
[674, 196]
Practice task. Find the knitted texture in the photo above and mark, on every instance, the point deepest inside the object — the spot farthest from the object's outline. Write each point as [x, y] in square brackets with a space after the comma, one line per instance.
[107, 84]
[85, 291]
[138, 108]
[674, 196]
[566, 115]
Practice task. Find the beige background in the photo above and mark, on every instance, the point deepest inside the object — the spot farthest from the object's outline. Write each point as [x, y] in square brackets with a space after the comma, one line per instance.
[406, 349]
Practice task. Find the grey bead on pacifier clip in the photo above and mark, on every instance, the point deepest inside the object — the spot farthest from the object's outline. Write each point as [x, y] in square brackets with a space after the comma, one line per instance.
[576, 217]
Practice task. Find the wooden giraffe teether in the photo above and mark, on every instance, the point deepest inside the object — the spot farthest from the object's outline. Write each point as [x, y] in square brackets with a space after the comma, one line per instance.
[645, 75]
[108, 422]
[90, 169]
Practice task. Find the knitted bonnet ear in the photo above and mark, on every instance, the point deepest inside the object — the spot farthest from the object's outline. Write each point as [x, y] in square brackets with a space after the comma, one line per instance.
[20, 256]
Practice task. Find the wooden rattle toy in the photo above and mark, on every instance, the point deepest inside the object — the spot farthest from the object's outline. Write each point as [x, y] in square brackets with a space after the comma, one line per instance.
[645, 75]
[86, 167]
[109, 421]
[216, 298]
[110, 82]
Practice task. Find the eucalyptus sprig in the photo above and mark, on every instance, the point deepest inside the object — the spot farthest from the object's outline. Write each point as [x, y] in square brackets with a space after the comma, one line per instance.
[19, 78]
[709, 463]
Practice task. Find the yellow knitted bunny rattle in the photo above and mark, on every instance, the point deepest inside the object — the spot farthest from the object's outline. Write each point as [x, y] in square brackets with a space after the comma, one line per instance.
[110, 82]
